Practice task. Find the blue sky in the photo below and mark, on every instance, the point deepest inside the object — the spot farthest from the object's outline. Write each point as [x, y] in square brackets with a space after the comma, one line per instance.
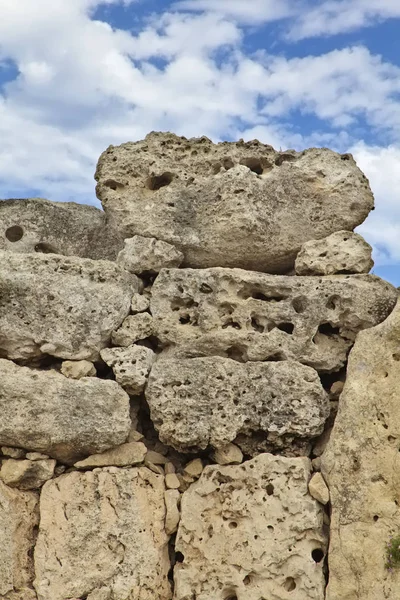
[77, 76]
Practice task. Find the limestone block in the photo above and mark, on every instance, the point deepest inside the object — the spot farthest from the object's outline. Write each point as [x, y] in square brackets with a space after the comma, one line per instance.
[132, 453]
[103, 531]
[146, 254]
[318, 488]
[78, 369]
[64, 418]
[133, 329]
[62, 306]
[251, 531]
[201, 402]
[253, 316]
[361, 468]
[231, 204]
[139, 303]
[340, 252]
[131, 366]
[19, 517]
[35, 225]
[27, 474]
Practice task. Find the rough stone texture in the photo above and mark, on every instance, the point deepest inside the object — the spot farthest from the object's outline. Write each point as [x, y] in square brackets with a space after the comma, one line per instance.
[253, 316]
[13, 452]
[62, 306]
[250, 531]
[201, 402]
[125, 455]
[37, 225]
[341, 252]
[139, 303]
[19, 516]
[172, 501]
[231, 204]
[27, 474]
[361, 468]
[228, 455]
[78, 369]
[133, 329]
[131, 366]
[65, 418]
[102, 531]
[318, 488]
[146, 254]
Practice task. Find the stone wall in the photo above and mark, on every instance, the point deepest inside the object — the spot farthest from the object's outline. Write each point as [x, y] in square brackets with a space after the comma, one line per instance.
[170, 374]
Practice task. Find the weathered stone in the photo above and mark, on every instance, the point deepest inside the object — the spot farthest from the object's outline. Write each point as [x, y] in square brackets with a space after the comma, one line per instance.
[146, 254]
[172, 500]
[231, 204]
[251, 531]
[194, 468]
[103, 530]
[132, 453]
[228, 455]
[252, 316]
[134, 328]
[336, 389]
[201, 402]
[64, 418]
[62, 306]
[13, 452]
[131, 366]
[36, 456]
[19, 516]
[27, 474]
[318, 488]
[37, 225]
[360, 466]
[171, 481]
[169, 467]
[139, 303]
[78, 369]
[156, 457]
[341, 252]
[135, 436]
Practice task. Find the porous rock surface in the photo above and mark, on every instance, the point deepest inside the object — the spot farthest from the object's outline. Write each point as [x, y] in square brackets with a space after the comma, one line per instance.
[230, 204]
[19, 517]
[102, 536]
[61, 306]
[131, 366]
[143, 254]
[251, 531]
[200, 402]
[253, 316]
[65, 418]
[38, 225]
[341, 252]
[361, 468]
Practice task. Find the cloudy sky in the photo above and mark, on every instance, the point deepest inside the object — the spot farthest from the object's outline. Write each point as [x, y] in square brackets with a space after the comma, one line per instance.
[78, 75]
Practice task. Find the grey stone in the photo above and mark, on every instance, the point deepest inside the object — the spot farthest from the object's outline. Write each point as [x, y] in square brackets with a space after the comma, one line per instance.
[146, 254]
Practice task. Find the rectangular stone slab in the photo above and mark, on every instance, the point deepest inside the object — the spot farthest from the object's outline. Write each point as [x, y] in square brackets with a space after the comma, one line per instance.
[246, 315]
[62, 306]
[65, 418]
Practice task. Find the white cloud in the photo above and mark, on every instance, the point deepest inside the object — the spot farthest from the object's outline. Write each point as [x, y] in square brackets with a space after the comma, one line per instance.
[253, 12]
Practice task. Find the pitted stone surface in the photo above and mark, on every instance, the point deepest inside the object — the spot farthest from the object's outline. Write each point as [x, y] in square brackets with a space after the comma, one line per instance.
[102, 532]
[361, 468]
[341, 252]
[146, 254]
[37, 225]
[62, 306]
[253, 316]
[131, 366]
[133, 329]
[65, 418]
[19, 516]
[27, 474]
[251, 531]
[231, 204]
[202, 402]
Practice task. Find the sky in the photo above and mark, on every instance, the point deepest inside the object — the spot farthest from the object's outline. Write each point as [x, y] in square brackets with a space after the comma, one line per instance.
[79, 75]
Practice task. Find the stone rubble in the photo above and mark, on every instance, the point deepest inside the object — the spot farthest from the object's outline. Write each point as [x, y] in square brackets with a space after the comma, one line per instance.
[146, 254]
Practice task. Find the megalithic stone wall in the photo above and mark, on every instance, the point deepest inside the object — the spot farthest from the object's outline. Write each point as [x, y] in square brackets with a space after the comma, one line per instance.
[170, 374]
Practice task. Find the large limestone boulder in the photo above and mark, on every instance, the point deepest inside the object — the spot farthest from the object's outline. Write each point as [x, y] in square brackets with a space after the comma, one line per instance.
[67, 419]
[231, 204]
[37, 225]
[253, 316]
[62, 306]
[201, 402]
[102, 536]
[251, 531]
[362, 468]
[19, 518]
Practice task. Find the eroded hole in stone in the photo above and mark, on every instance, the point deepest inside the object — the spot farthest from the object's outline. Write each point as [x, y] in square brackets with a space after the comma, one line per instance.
[328, 329]
[333, 302]
[231, 323]
[236, 353]
[376, 518]
[286, 327]
[233, 525]
[256, 325]
[290, 584]
[205, 289]
[231, 597]
[14, 233]
[156, 182]
[396, 356]
[179, 558]
[346, 157]
[270, 489]
[254, 164]
[45, 248]
[286, 157]
[299, 304]
[275, 357]
[317, 555]
[113, 185]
